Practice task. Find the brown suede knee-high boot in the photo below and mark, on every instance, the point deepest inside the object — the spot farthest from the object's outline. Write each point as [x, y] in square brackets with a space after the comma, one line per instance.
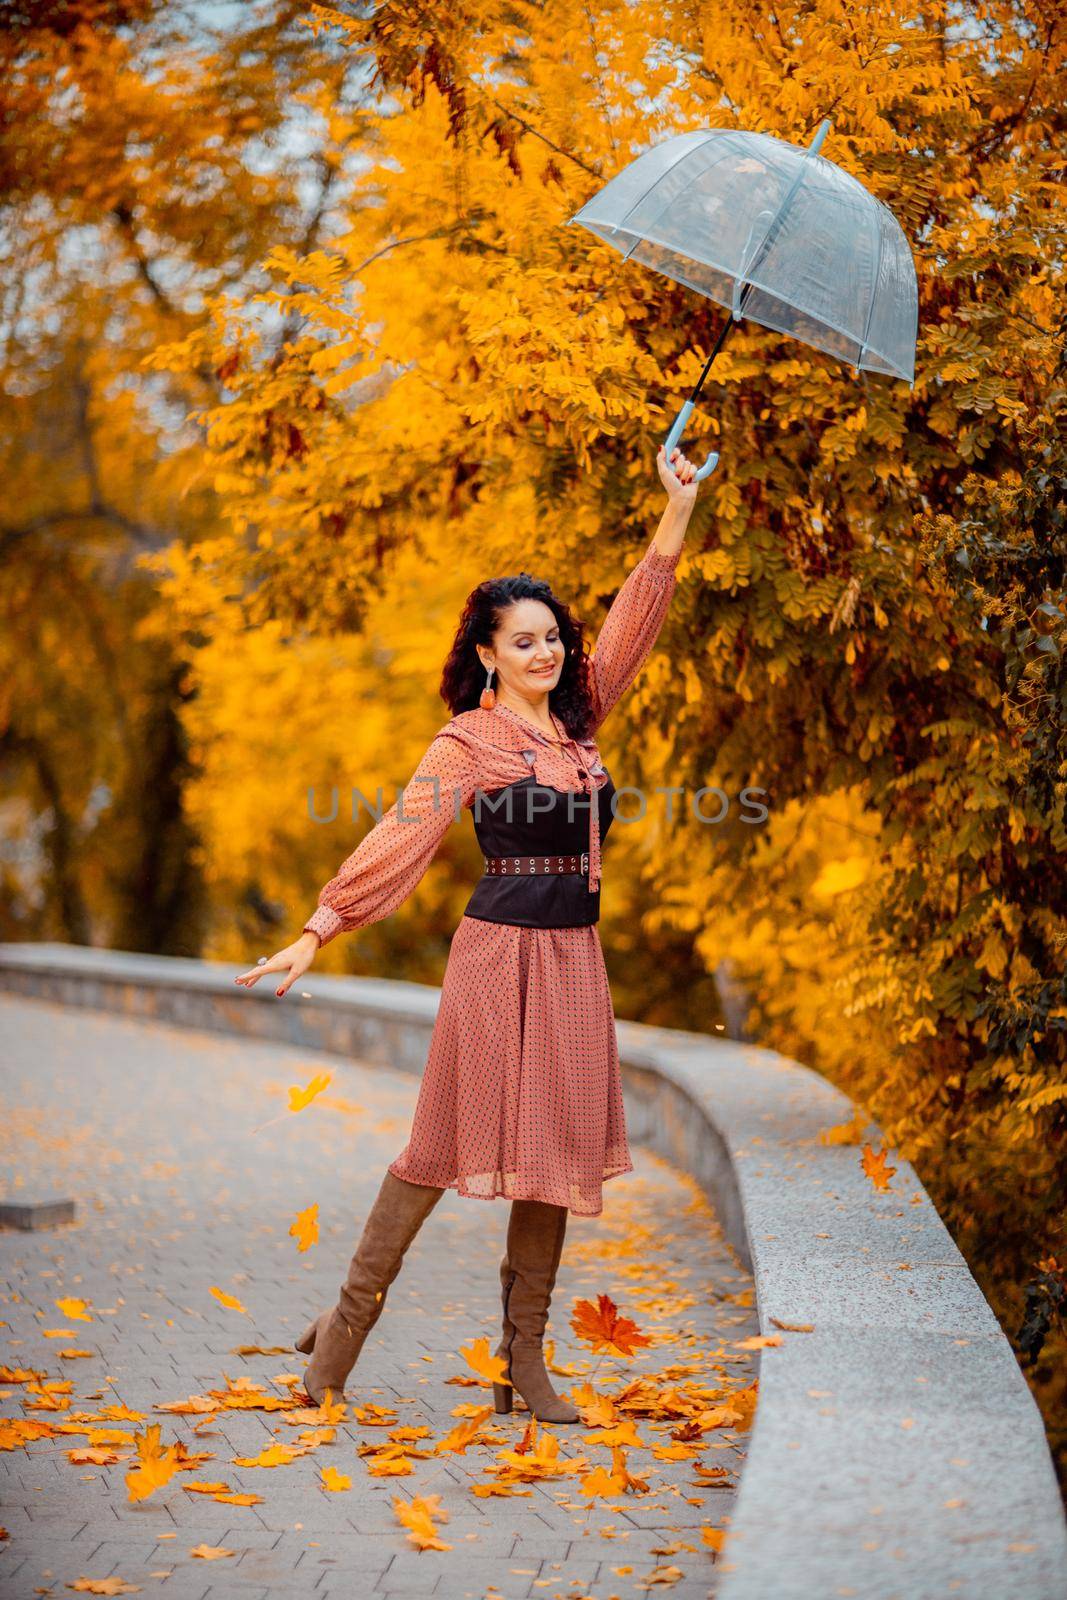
[528, 1276]
[335, 1338]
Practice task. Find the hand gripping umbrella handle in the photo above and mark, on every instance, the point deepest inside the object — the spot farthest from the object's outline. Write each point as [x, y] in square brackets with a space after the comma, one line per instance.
[674, 437]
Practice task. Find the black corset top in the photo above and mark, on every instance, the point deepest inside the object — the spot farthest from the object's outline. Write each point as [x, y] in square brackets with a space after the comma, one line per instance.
[527, 818]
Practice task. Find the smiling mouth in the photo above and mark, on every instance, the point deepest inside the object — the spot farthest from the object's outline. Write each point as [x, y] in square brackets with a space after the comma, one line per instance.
[542, 672]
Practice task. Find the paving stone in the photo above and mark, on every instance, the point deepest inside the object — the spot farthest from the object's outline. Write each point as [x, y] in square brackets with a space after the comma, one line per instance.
[188, 1171]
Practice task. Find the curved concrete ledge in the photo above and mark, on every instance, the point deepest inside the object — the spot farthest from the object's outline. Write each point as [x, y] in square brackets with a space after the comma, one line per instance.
[897, 1453]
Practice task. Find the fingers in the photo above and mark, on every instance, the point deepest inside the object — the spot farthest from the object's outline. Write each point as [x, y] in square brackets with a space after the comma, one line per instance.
[683, 469]
[677, 471]
[249, 979]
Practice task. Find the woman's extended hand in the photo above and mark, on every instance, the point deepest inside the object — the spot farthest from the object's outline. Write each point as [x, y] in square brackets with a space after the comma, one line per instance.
[677, 478]
[295, 959]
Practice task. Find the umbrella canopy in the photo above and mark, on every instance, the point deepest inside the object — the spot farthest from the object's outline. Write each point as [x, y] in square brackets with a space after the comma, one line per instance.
[775, 232]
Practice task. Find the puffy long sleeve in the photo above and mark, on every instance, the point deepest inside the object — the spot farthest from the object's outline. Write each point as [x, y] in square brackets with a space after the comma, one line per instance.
[631, 627]
[389, 861]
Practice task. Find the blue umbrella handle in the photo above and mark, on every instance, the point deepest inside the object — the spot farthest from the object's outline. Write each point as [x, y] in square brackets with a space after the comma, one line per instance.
[673, 438]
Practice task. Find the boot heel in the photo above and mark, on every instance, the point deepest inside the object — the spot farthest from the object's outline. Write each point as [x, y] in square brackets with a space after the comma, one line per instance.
[502, 1397]
[306, 1341]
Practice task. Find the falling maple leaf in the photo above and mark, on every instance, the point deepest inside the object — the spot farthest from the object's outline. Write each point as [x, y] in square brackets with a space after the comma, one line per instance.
[306, 1227]
[299, 1098]
[603, 1327]
[417, 1515]
[225, 1299]
[874, 1166]
[493, 1369]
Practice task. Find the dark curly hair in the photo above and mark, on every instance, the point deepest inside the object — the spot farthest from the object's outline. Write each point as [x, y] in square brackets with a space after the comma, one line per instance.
[463, 676]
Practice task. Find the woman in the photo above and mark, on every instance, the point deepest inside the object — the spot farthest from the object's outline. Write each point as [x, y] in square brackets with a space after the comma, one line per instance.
[521, 1095]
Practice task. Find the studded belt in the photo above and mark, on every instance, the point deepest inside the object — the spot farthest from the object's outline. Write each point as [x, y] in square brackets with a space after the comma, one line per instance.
[532, 866]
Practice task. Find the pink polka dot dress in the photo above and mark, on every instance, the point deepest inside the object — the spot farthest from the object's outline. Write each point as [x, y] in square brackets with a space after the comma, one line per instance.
[521, 1095]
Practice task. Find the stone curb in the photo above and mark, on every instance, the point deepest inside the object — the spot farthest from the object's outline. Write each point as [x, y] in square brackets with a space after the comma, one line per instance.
[897, 1452]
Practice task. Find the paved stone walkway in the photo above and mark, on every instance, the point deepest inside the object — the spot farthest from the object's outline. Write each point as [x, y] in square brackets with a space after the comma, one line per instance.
[155, 1131]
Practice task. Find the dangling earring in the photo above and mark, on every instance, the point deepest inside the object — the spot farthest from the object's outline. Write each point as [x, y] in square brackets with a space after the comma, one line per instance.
[487, 698]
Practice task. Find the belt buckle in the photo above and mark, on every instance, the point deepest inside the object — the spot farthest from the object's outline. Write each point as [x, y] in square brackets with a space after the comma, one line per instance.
[585, 861]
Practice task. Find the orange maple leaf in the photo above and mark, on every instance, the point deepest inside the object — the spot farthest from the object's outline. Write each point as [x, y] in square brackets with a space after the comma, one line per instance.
[305, 1229]
[75, 1309]
[156, 1465]
[299, 1098]
[605, 1329]
[464, 1432]
[335, 1481]
[225, 1299]
[476, 1354]
[598, 1410]
[105, 1586]
[417, 1515]
[874, 1166]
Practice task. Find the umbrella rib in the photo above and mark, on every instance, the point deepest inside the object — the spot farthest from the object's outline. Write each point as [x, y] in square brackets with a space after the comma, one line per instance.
[646, 192]
[874, 293]
[752, 283]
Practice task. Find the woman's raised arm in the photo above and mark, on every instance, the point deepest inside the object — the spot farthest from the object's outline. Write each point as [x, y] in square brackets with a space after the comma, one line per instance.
[637, 612]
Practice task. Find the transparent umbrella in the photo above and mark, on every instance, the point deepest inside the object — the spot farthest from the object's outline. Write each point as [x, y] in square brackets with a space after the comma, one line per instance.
[772, 231]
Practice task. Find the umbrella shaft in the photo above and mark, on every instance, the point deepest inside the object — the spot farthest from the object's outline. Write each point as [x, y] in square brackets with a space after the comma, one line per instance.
[720, 341]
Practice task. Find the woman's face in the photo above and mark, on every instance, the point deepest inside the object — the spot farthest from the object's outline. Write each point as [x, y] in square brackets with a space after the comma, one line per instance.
[527, 650]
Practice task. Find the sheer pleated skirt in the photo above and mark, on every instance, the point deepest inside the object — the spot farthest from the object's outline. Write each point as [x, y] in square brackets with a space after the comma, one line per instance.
[521, 1095]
